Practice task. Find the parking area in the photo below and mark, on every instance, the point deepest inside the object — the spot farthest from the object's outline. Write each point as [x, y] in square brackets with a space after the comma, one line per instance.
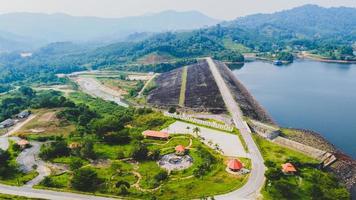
[230, 144]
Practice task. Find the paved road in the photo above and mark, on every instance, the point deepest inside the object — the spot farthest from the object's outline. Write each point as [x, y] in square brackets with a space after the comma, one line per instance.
[46, 194]
[145, 86]
[251, 190]
[28, 158]
[96, 89]
[229, 143]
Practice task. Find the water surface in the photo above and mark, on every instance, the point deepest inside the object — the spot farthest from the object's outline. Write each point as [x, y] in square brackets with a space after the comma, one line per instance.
[308, 94]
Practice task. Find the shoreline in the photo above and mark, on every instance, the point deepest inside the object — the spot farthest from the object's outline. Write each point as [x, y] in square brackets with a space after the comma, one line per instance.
[308, 56]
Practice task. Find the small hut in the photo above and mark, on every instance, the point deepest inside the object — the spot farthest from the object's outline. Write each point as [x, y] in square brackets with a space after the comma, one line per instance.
[23, 144]
[288, 169]
[235, 165]
[74, 145]
[180, 150]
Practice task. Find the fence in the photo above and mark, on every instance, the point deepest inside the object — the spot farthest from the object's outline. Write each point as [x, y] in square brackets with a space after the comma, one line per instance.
[201, 122]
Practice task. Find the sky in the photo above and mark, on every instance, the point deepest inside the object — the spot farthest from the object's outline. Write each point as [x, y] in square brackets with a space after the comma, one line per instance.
[219, 9]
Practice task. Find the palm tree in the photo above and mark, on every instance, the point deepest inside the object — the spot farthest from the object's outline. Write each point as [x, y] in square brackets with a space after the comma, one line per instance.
[196, 130]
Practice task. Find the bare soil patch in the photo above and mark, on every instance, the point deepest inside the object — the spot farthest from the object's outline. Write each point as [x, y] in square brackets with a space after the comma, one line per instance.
[47, 117]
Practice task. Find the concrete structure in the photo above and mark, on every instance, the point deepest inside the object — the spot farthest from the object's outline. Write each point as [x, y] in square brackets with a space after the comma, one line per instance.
[266, 131]
[201, 122]
[229, 144]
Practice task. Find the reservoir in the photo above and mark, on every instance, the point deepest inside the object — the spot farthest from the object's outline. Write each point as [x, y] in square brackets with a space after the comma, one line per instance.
[307, 94]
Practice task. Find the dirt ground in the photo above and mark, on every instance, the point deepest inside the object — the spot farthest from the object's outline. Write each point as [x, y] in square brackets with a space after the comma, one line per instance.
[47, 117]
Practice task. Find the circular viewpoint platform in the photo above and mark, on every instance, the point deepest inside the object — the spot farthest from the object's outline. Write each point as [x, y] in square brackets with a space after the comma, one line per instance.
[173, 162]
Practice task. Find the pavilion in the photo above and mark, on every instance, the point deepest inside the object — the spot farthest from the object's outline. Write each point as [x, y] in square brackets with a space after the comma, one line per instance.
[288, 168]
[235, 165]
[180, 150]
[156, 134]
[23, 144]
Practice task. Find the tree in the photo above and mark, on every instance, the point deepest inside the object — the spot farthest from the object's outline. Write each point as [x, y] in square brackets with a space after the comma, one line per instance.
[161, 176]
[4, 157]
[119, 137]
[55, 149]
[140, 151]
[85, 179]
[273, 174]
[27, 91]
[123, 189]
[196, 130]
[172, 110]
[87, 150]
[75, 163]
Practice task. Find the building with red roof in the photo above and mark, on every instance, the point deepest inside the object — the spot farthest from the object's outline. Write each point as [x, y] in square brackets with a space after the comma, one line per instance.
[235, 165]
[180, 149]
[288, 168]
[23, 144]
[156, 134]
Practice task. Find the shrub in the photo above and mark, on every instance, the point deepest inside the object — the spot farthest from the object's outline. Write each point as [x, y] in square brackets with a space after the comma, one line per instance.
[75, 163]
[161, 176]
[85, 179]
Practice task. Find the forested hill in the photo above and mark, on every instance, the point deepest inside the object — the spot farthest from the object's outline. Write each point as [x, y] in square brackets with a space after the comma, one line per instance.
[280, 34]
[309, 21]
[48, 28]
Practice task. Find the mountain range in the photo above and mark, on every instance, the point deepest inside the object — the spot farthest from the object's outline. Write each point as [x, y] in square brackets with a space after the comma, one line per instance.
[35, 29]
[308, 21]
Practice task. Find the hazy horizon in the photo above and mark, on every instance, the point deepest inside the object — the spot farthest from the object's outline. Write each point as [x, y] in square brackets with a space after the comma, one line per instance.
[224, 9]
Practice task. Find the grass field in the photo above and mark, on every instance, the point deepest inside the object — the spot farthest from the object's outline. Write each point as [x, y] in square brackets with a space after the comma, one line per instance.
[45, 124]
[308, 183]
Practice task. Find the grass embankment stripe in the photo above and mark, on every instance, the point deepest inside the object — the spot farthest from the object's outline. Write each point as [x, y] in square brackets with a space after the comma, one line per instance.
[183, 87]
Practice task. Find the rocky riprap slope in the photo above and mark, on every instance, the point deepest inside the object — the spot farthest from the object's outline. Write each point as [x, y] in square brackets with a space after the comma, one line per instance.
[168, 90]
[248, 105]
[202, 92]
[344, 168]
[201, 95]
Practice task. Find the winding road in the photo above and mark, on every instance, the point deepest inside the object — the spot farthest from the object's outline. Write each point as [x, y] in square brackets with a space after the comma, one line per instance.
[251, 190]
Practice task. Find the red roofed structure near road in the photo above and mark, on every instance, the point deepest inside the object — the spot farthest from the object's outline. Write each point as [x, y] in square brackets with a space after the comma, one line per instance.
[156, 134]
[235, 165]
[23, 143]
[288, 168]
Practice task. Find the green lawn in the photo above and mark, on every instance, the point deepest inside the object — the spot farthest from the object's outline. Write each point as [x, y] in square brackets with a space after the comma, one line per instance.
[307, 184]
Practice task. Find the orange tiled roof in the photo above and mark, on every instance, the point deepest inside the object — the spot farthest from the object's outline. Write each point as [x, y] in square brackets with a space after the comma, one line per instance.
[180, 148]
[288, 167]
[235, 164]
[157, 134]
[22, 142]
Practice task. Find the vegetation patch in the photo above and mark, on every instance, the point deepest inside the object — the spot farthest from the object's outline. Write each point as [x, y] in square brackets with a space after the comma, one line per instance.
[309, 182]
